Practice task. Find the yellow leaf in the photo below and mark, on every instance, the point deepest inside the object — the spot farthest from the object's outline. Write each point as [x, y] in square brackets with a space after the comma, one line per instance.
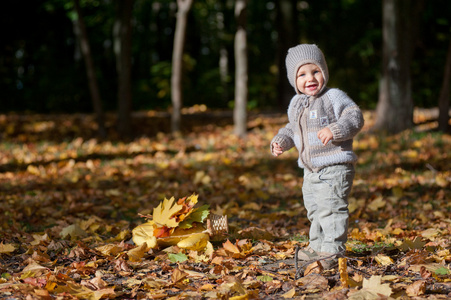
[430, 233]
[33, 170]
[290, 294]
[32, 270]
[343, 270]
[162, 214]
[377, 203]
[231, 247]
[383, 260]
[241, 297]
[74, 231]
[110, 249]
[38, 239]
[137, 253]
[196, 241]
[144, 234]
[7, 248]
[374, 284]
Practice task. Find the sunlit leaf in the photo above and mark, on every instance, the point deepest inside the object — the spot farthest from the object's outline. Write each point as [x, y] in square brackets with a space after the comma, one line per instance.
[137, 253]
[164, 212]
[198, 215]
[7, 248]
[196, 241]
[265, 278]
[177, 257]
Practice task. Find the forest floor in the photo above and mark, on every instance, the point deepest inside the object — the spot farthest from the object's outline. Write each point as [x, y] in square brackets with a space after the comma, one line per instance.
[69, 203]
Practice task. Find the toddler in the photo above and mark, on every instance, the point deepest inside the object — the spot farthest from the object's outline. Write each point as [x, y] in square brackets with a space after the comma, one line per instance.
[322, 122]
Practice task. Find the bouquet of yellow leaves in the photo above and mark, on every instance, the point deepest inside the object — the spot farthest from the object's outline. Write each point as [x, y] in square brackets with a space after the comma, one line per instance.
[179, 223]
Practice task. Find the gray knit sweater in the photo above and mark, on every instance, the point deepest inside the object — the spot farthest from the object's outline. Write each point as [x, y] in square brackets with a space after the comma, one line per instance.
[309, 114]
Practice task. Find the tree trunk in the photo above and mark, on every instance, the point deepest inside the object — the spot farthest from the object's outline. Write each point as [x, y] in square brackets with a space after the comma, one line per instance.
[287, 37]
[177, 63]
[241, 73]
[443, 102]
[122, 32]
[395, 105]
[85, 48]
[223, 54]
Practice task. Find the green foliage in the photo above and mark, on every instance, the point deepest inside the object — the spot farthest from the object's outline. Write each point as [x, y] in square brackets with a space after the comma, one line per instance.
[442, 271]
[198, 215]
[265, 278]
[300, 238]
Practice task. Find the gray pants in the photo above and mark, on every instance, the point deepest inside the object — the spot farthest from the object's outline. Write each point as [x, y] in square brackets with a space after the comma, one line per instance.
[326, 199]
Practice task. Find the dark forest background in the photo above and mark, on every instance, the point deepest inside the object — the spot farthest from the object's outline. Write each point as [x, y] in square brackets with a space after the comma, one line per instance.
[42, 70]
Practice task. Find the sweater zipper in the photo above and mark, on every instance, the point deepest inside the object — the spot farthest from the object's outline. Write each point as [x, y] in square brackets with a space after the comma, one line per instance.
[302, 139]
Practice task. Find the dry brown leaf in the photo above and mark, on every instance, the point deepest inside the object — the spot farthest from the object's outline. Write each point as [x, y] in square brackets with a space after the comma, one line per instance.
[314, 267]
[137, 253]
[255, 233]
[178, 275]
[416, 289]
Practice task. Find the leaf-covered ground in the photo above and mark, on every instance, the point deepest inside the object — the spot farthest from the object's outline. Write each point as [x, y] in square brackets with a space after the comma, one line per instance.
[68, 203]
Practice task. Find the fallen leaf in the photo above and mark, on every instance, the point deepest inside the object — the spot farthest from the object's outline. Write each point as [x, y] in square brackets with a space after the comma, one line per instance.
[416, 289]
[255, 233]
[178, 275]
[196, 241]
[343, 271]
[74, 231]
[374, 284]
[164, 212]
[377, 203]
[144, 234]
[314, 267]
[137, 253]
[290, 294]
[384, 260]
[177, 257]
[7, 248]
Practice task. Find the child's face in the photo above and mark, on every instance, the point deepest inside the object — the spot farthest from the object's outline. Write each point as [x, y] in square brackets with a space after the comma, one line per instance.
[309, 79]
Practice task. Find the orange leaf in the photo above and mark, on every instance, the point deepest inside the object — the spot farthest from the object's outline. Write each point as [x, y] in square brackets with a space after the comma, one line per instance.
[160, 232]
[231, 247]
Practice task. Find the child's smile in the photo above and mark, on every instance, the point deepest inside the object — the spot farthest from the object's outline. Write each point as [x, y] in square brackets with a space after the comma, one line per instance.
[309, 79]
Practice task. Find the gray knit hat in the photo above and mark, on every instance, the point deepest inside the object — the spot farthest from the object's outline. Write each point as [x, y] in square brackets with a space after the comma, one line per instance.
[301, 55]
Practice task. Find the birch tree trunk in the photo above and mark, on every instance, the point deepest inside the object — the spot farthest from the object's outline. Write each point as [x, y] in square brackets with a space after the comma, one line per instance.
[122, 33]
[241, 72]
[395, 105]
[82, 35]
[223, 54]
[443, 102]
[177, 63]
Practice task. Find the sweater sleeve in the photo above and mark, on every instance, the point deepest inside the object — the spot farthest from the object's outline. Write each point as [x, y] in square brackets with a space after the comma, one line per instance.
[284, 138]
[349, 117]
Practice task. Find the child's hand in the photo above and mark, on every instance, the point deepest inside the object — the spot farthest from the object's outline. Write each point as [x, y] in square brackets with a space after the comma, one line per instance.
[276, 149]
[325, 135]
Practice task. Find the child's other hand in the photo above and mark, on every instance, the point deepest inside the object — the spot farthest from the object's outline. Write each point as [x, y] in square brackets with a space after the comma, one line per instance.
[325, 135]
[276, 149]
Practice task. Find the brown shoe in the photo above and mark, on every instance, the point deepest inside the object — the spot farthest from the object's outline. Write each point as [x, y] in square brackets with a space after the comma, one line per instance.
[307, 254]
